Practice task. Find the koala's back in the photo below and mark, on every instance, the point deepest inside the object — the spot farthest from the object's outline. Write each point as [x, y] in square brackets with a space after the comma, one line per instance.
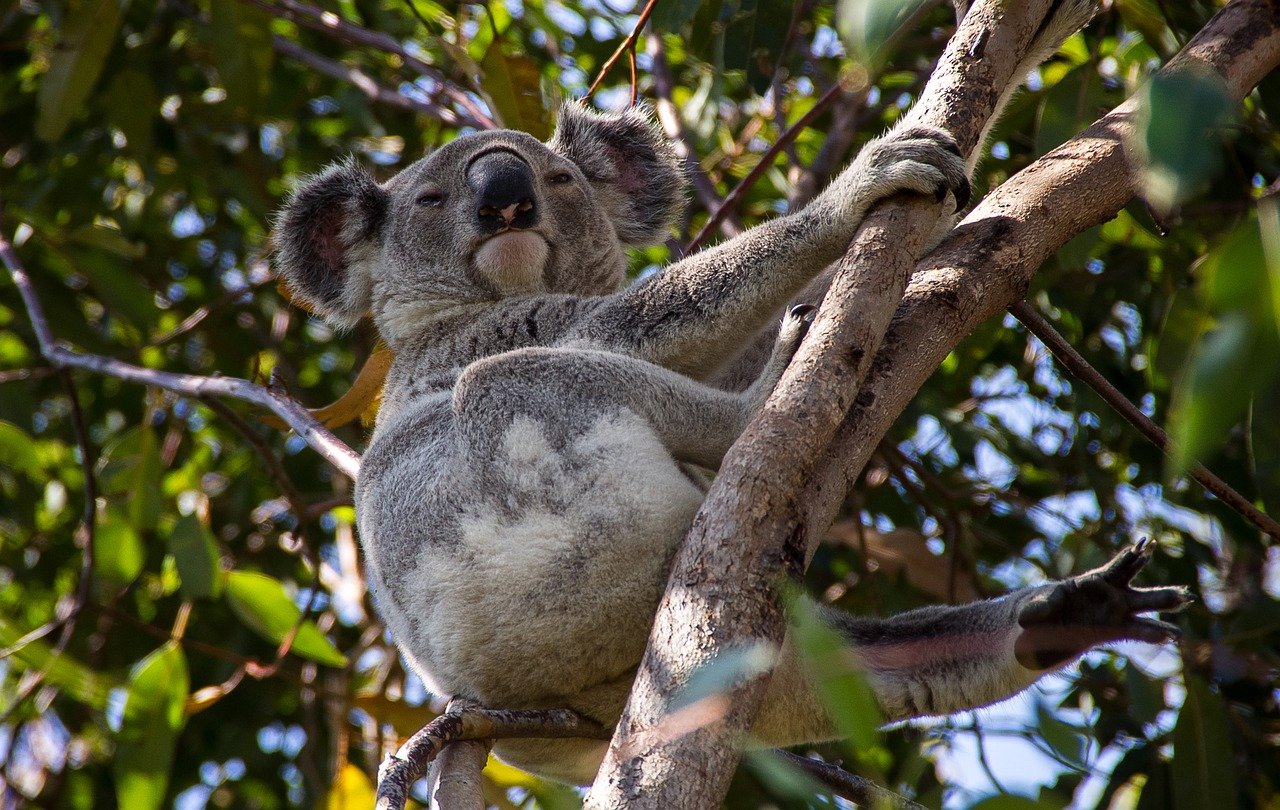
[521, 568]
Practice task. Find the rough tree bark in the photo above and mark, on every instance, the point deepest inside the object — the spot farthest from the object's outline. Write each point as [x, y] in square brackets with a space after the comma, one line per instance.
[782, 483]
[750, 530]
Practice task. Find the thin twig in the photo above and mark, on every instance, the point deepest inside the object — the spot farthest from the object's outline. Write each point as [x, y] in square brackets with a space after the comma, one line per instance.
[329, 446]
[366, 84]
[1079, 367]
[765, 163]
[330, 23]
[628, 44]
[669, 116]
[849, 786]
[464, 720]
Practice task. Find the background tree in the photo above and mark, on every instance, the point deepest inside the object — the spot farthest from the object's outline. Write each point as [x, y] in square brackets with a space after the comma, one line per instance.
[183, 616]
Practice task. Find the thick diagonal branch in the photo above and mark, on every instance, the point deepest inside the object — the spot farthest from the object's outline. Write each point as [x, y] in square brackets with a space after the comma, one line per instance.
[989, 260]
[751, 528]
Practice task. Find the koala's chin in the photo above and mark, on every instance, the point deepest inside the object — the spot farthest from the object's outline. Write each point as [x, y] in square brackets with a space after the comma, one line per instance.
[513, 262]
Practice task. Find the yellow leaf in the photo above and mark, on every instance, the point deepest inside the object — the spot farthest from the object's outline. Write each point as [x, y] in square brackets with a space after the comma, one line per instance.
[361, 399]
[352, 790]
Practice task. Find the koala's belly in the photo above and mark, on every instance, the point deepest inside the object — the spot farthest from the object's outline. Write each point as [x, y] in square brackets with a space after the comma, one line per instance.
[528, 574]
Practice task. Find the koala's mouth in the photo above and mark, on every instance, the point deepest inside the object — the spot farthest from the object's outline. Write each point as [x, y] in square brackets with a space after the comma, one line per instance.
[513, 261]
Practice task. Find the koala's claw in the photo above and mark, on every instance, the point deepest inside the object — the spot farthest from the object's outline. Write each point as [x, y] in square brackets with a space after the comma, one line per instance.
[1069, 617]
[806, 312]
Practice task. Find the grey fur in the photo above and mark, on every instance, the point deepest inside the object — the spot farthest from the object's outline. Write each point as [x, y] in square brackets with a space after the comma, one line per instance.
[527, 481]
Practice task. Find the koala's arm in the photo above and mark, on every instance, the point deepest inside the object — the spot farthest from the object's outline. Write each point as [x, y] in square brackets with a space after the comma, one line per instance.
[697, 312]
[942, 659]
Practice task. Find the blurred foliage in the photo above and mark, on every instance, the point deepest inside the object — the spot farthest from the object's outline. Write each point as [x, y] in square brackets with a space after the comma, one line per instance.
[143, 148]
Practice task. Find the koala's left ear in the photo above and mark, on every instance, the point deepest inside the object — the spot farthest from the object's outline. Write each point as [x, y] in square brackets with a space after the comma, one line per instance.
[630, 163]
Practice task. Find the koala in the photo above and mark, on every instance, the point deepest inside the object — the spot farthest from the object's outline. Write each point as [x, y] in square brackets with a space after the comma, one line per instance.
[536, 459]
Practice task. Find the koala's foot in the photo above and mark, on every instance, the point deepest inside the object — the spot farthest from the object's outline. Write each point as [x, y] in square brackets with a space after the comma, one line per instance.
[795, 325]
[1067, 618]
[920, 159]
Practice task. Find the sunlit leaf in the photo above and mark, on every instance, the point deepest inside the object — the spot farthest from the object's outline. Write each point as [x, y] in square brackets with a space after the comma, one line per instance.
[153, 718]
[867, 26]
[118, 551]
[18, 451]
[550, 795]
[514, 84]
[1235, 358]
[62, 670]
[262, 603]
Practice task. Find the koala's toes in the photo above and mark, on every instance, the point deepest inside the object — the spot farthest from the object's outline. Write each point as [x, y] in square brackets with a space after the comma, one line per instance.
[1163, 600]
[938, 136]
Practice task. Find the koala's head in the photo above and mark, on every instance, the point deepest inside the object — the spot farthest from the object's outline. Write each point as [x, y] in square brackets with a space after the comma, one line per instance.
[488, 216]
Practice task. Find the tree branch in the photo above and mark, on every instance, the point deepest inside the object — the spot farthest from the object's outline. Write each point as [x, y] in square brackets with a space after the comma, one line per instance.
[1075, 363]
[455, 776]
[750, 530]
[330, 447]
[985, 265]
[464, 720]
[857, 789]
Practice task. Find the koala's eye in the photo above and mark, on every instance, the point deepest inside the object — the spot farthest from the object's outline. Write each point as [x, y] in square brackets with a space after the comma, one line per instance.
[433, 199]
[560, 178]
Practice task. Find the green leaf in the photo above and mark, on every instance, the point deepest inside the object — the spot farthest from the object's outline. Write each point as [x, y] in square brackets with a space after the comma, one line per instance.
[18, 451]
[154, 714]
[1235, 358]
[118, 552]
[241, 39]
[514, 85]
[262, 603]
[1068, 107]
[196, 556]
[671, 15]
[88, 34]
[842, 686]
[1064, 739]
[1264, 445]
[784, 780]
[130, 469]
[725, 671]
[1203, 761]
[1178, 134]
[133, 105]
[1012, 803]
[868, 26]
[60, 669]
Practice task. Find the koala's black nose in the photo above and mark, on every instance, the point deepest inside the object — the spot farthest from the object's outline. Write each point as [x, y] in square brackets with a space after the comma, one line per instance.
[503, 183]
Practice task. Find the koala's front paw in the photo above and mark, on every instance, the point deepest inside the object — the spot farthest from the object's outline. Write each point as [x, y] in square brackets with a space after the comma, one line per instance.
[920, 159]
[1067, 618]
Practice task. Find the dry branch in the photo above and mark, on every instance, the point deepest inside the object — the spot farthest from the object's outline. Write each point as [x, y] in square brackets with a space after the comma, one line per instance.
[750, 530]
[1075, 363]
[464, 720]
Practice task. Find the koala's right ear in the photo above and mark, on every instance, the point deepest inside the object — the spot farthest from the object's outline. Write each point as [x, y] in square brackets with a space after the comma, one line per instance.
[326, 240]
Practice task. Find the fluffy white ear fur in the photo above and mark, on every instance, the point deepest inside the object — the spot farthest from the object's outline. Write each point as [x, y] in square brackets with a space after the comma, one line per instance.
[634, 169]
